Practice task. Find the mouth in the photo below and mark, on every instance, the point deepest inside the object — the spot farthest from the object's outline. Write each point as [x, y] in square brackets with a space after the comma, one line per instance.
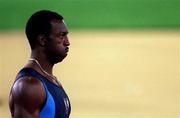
[67, 49]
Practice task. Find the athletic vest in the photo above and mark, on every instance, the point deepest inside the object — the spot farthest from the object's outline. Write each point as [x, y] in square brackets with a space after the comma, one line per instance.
[57, 104]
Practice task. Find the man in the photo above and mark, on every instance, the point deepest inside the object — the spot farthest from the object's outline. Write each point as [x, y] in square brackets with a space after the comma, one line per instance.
[36, 92]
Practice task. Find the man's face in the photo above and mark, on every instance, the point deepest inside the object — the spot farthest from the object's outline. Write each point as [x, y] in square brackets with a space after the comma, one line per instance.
[57, 46]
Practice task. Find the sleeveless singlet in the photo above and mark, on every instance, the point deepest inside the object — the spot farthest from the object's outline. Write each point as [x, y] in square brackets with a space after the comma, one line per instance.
[57, 104]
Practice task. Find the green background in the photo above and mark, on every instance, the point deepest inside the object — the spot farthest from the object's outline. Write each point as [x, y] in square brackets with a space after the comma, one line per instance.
[95, 13]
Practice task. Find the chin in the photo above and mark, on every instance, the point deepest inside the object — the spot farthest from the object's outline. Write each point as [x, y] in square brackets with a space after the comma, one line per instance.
[58, 59]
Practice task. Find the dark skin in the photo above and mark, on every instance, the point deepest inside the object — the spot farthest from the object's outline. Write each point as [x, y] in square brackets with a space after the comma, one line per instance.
[28, 94]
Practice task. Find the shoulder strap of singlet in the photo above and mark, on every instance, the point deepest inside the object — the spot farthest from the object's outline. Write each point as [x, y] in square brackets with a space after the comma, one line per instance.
[27, 72]
[30, 72]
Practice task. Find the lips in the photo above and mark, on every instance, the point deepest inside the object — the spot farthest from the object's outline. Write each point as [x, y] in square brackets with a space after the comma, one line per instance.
[67, 49]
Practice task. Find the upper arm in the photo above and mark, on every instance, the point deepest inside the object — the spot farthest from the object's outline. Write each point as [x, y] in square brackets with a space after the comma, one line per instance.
[28, 95]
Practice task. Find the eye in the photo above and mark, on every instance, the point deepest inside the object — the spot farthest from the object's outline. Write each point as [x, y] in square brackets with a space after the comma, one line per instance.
[62, 34]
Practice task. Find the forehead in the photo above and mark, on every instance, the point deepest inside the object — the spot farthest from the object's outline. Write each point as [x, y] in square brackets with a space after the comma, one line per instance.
[58, 26]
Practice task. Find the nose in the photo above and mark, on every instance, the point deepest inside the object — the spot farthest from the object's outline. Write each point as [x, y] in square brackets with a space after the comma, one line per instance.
[66, 41]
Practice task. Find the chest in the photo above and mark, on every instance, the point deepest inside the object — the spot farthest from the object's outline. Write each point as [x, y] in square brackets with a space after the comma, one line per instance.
[61, 100]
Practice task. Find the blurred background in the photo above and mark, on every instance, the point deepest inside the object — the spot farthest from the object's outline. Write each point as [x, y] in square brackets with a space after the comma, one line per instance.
[124, 59]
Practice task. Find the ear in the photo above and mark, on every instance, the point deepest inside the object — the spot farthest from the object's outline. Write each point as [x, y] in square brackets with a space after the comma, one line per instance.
[42, 40]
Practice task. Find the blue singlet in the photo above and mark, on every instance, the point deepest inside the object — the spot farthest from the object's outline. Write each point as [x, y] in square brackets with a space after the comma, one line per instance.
[57, 104]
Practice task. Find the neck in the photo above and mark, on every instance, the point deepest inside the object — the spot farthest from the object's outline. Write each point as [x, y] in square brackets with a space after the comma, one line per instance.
[53, 78]
[43, 61]
[40, 63]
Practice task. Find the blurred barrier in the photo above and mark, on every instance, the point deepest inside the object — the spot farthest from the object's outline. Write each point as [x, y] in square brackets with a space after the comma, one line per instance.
[96, 13]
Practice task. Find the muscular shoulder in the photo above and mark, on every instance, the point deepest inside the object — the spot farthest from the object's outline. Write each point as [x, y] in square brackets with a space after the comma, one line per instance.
[28, 93]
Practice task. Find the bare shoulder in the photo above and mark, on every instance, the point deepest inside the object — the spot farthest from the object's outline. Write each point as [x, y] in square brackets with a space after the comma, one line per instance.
[27, 94]
[28, 87]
